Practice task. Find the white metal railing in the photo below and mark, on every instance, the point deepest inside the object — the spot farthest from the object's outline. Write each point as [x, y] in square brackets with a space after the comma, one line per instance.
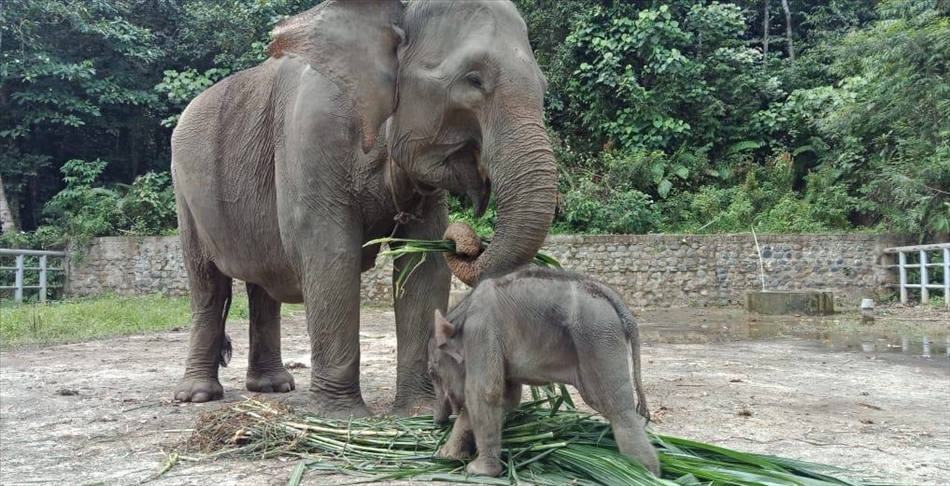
[20, 268]
[923, 265]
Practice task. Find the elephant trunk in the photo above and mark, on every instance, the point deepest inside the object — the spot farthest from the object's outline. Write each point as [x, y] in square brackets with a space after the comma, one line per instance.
[521, 165]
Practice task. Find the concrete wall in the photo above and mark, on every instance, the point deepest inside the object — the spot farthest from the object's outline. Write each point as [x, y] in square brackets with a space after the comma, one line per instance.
[648, 270]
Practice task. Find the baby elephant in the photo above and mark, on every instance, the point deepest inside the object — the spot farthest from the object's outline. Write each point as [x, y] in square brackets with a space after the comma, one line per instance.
[536, 326]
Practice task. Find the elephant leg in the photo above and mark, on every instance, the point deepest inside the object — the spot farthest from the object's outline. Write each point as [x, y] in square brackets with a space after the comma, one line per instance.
[605, 385]
[629, 429]
[210, 298]
[485, 397]
[332, 298]
[424, 291]
[461, 442]
[487, 415]
[265, 369]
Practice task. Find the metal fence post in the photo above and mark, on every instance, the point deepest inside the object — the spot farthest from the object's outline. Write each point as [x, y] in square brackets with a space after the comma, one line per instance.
[18, 293]
[902, 271]
[946, 279]
[924, 281]
[42, 279]
[45, 268]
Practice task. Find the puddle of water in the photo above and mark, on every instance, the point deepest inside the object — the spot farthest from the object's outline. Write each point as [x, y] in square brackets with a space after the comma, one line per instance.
[926, 346]
[839, 332]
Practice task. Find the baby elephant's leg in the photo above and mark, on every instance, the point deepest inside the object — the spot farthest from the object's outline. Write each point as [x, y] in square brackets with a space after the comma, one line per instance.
[486, 420]
[630, 432]
[512, 396]
[485, 398]
[461, 442]
[605, 385]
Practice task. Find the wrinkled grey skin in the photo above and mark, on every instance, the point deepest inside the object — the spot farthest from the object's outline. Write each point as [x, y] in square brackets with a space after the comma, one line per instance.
[363, 110]
[535, 327]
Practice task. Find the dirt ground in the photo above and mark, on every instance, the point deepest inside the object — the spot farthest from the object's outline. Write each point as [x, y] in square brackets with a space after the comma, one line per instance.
[100, 412]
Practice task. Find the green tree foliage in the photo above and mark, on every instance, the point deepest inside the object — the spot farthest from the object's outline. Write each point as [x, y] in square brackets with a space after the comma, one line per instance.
[76, 84]
[181, 87]
[216, 38]
[95, 79]
[88, 207]
[679, 95]
[598, 201]
[665, 115]
[889, 128]
[654, 82]
[82, 209]
[148, 205]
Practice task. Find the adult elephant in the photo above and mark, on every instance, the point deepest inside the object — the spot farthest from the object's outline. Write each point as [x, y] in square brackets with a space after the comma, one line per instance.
[363, 116]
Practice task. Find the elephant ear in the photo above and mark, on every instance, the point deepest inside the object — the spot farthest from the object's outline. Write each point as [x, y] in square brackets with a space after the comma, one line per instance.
[446, 337]
[444, 330]
[352, 42]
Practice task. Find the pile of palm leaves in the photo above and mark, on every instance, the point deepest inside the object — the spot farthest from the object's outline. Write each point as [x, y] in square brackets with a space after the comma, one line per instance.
[546, 442]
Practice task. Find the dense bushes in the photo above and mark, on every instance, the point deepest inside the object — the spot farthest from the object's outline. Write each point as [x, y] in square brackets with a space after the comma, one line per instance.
[666, 116]
[86, 208]
[670, 118]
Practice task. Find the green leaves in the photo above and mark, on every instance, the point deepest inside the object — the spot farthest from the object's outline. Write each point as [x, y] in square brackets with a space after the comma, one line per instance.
[886, 120]
[640, 80]
[661, 108]
[86, 208]
[181, 87]
[78, 81]
[415, 253]
[80, 210]
[149, 205]
[544, 442]
[589, 207]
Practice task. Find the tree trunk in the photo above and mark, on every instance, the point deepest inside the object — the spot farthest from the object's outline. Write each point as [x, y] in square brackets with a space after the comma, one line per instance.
[7, 225]
[765, 35]
[788, 32]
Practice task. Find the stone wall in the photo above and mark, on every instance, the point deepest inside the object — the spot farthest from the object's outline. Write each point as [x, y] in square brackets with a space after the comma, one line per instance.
[648, 270]
[129, 266]
[714, 270]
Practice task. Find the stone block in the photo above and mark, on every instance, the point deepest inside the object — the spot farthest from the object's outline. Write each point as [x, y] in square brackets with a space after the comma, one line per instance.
[809, 303]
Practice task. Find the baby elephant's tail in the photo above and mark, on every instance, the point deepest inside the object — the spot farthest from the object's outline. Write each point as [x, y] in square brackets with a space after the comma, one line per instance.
[632, 330]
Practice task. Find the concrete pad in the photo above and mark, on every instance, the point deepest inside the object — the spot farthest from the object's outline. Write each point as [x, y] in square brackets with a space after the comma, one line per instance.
[808, 302]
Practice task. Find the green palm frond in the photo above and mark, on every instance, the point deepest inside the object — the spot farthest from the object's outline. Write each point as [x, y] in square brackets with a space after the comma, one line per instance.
[545, 442]
[415, 251]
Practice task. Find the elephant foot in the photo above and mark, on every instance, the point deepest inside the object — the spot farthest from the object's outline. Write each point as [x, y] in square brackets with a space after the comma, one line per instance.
[413, 397]
[199, 390]
[484, 466]
[279, 381]
[412, 407]
[339, 408]
[456, 449]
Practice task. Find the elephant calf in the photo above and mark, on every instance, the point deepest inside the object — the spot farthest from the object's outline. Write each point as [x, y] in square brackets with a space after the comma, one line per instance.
[536, 326]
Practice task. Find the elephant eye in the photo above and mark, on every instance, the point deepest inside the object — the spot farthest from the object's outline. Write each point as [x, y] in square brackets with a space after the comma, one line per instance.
[475, 80]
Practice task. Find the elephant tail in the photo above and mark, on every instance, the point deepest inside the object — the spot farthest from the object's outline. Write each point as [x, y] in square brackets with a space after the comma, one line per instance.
[226, 349]
[632, 330]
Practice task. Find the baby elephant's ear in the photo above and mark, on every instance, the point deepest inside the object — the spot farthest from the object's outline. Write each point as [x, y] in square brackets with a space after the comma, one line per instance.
[444, 330]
